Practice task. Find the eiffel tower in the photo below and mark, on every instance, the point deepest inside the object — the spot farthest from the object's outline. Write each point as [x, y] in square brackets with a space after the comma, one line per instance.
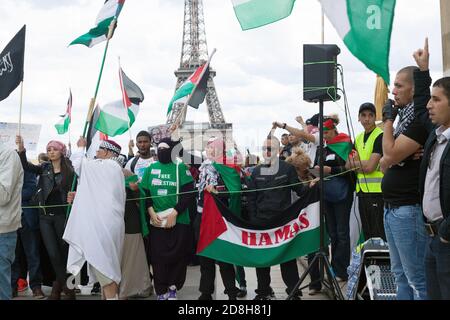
[194, 53]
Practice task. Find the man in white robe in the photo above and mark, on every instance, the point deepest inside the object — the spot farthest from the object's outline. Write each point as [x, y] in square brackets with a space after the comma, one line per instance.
[95, 229]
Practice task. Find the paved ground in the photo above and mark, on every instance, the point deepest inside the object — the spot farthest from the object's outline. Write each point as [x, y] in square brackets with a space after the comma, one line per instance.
[190, 289]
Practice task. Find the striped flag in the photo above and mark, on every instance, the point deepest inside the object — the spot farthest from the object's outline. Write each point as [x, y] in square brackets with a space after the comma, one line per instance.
[63, 125]
[94, 137]
[188, 87]
[228, 238]
[365, 27]
[193, 91]
[117, 117]
[111, 10]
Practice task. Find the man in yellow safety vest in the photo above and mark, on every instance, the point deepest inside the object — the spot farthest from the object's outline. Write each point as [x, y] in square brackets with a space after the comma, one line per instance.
[369, 150]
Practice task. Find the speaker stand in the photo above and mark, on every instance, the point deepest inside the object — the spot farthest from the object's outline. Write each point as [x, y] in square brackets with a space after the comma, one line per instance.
[327, 277]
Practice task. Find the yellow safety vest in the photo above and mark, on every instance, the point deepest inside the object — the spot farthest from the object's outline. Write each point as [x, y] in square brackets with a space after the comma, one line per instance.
[368, 182]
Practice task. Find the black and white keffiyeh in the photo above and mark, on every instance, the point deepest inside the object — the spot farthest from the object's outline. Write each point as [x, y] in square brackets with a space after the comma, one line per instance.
[406, 117]
[111, 146]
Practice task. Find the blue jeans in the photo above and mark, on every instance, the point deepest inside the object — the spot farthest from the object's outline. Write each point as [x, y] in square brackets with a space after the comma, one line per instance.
[405, 234]
[7, 252]
[30, 241]
[437, 264]
[337, 218]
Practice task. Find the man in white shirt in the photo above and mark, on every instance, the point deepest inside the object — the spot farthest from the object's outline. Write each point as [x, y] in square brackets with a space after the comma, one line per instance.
[11, 181]
[141, 161]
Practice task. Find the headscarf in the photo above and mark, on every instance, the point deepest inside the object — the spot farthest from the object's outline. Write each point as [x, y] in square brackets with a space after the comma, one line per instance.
[218, 146]
[222, 156]
[58, 145]
[329, 125]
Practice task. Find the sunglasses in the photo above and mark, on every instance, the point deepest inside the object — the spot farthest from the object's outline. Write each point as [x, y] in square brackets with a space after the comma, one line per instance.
[267, 148]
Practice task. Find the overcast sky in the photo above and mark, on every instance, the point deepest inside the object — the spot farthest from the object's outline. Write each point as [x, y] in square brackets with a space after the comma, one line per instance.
[259, 72]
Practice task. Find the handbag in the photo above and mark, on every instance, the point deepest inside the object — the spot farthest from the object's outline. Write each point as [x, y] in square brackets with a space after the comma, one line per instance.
[335, 190]
[165, 213]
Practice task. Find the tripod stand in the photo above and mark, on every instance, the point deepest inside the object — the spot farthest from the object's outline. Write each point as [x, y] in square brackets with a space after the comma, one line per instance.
[321, 256]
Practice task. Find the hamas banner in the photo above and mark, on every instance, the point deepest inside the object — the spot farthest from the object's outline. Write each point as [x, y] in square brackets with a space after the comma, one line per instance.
[228, 238]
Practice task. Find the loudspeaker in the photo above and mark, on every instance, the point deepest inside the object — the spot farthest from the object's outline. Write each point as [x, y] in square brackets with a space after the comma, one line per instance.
[319, 72]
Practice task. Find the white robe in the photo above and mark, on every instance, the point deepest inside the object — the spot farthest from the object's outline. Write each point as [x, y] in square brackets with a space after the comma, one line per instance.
[95, 229]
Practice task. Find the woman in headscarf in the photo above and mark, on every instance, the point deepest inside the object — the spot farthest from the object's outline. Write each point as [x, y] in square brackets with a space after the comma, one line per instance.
[55, 180]
[211, 177]
[170, 186]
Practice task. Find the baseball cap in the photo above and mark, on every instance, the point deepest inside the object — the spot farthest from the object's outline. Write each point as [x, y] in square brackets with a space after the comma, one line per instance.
[367, 106]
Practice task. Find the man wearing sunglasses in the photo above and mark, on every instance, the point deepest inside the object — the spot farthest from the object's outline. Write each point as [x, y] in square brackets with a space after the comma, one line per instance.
[269, 203]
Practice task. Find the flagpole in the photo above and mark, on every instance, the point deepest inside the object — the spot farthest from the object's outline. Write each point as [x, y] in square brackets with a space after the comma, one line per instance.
[70, 145]
[322, 35]
[92, 103]
[70, 117]
[20, 107]
[93, 100]
[123, 100]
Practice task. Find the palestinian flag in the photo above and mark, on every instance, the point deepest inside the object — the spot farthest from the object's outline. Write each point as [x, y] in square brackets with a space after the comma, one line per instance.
[365, 27]
[110, 11]
[63, 125]
[341, 145]
[232, 180]
[117, 117]
[195, 86]
[228, 238]
[256, 13]
[94, 137]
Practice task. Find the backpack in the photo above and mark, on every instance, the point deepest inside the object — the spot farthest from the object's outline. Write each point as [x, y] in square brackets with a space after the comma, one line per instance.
[133, 163]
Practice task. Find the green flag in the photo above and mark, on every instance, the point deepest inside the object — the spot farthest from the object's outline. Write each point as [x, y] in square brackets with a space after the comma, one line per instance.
[365, 27]
[232, 181]
[256, 13]
[110, 11]
[63, 125]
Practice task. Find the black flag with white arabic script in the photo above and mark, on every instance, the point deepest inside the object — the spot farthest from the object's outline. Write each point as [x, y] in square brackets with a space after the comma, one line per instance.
[11, 64]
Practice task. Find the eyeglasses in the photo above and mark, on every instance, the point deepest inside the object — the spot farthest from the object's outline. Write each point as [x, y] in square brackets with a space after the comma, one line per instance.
[267, 148]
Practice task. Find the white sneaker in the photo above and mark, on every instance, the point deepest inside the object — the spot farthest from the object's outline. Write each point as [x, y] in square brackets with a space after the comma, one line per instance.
[172, 293]
[162, 297]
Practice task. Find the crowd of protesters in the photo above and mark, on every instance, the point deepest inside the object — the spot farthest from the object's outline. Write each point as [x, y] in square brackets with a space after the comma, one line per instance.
[134, 220]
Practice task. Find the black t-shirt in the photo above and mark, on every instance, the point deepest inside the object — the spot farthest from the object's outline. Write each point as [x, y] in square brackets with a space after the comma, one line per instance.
[401, 182]
[377, 145]
[55, 197]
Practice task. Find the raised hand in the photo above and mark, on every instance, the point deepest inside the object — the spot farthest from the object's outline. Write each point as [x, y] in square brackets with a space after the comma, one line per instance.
[422, 57]
[299, 119]
[81, 143]
[390, 111]
[19, 143]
